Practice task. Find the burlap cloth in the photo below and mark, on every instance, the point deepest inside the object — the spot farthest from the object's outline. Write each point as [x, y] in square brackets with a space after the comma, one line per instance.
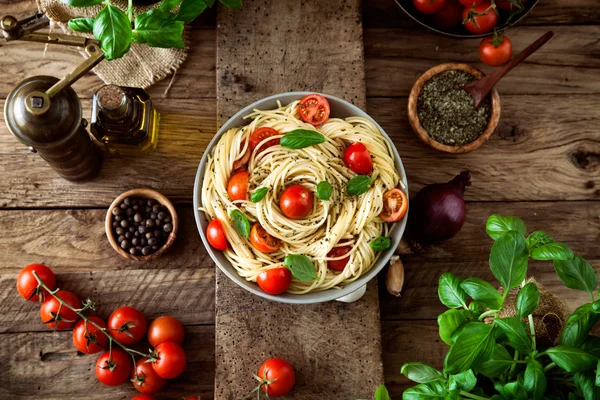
[141, 67]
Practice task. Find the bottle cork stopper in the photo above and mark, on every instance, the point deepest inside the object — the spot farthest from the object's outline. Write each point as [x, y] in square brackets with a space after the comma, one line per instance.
[111, 97]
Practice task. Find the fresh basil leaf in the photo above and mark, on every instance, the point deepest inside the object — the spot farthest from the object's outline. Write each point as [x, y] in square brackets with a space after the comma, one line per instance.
[168, 5]
[464, 381]
[475, 343]
[82, 3]
[598, 378]
[572, 359]
[596, 306]
[577, 274]
[382, 393]
[359, 184]
[426, 391]
[508, 259]
[500, 362]
[483, 292]
[537, 239]
[240, 223]
[190, 10]
[552, 251]
[527, 300]
[578, 325]
[301, 267]
[113, 29]
[449, 291]
[381, 243]
[235, 4]
[534, 380]
[515, 390]
[476, 308]
[497, 226]
[157, 29]
[591, 344]
[301, 138]
[584, 381]
[259, 194]
[515, 332]
[85, 25]
[421, 373]
[449, 322]
[324, 190]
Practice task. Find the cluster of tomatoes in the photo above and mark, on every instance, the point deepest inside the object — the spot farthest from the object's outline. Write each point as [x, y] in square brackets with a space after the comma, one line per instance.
[126, 326]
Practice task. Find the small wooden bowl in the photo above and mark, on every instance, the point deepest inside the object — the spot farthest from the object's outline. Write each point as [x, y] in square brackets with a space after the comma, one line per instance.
[147, 194]
[413, 117]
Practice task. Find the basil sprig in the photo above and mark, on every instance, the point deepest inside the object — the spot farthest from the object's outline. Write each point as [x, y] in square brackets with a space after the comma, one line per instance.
[301, 267]
[259, 194]
[240, 223]
[381, 243]
[113, 29]
[324, 190]
[359, 184]
[301, 138]
[158, 29]
[85, 25]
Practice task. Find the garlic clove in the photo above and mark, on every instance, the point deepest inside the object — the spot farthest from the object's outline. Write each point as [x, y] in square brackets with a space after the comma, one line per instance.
[394, 280]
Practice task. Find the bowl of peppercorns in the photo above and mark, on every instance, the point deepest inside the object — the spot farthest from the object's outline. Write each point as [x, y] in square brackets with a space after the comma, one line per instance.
[141, 224]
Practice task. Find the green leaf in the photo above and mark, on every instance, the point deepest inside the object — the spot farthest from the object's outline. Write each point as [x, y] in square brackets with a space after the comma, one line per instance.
[113, 29]
[537, 239]
[584, 381]
[598, 375]
[483, 292]
[552, 251]
[572, 359]
[302, 267]
[301, 138]
[324, 190]
[497, 226]
[82, 3]
[534, 380]
[578, 325]
[421, 373]
[515, 390]
[190, 10]
[577, 274]
[508, 259]
[259, 194]
[359, 185]
[464, 381]
[514, 330]
[168, 5]
[235, 4]
[500, 362]
[591, 344]
[527, 300]
[157, 29]
[381, 243]
[210, 3]
[426, 391]
[449, 322]
[476, 308]
[450, 292]
[240, 223]
[475, 343]
[382, 393]
[85, 25]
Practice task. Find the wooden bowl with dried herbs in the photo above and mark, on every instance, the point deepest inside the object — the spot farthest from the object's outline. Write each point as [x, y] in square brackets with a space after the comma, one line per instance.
[442, 114]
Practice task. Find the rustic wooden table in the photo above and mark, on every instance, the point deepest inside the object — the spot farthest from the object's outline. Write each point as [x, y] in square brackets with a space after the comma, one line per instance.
[543, 164]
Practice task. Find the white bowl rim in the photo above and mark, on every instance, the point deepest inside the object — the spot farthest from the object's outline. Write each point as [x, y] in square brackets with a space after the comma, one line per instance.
[311, 297]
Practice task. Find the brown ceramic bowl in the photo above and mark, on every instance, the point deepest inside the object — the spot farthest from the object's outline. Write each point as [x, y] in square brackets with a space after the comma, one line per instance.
[148, 194]
[413, 117]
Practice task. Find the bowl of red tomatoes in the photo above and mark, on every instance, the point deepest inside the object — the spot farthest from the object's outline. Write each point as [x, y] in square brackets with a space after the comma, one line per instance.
[466, 18]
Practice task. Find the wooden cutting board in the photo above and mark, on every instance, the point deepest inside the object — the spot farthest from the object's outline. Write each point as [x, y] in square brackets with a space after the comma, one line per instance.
[270, 47]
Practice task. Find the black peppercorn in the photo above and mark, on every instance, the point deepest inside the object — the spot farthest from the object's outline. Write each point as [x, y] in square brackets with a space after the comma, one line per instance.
[137, 217]
[149, 235]
[146, 250]
[153, 216]
[125, 244]
[123, 206]
[132, 229]
[142, 229]
[136, 207]
[118, 218]
[115, 224]
[144, 242]
[120, 231]
[120, 238]
[127, 201]
[128, 235]
[162, 215]
[125, 223]
[154, 248]
[136, 234]
[132, 251]
[116, 211]
[138, 248]
[168, 228]
[135, 241]
[167, 219]
[152, 242]
[149, 223]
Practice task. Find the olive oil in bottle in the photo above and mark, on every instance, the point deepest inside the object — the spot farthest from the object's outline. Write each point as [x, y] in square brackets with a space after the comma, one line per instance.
[124, 120]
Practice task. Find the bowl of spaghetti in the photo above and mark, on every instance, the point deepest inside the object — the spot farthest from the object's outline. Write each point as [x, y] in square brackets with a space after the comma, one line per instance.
[301, 198]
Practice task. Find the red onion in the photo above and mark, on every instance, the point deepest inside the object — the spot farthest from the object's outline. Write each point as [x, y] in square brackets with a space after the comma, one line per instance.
[438, 211]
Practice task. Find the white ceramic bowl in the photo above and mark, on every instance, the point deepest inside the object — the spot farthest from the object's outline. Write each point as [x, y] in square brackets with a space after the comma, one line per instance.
[339, 109]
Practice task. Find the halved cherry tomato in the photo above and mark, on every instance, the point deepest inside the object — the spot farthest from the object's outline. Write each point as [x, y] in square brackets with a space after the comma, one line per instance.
[27, 284]
[314, 109]
[338, 265]
[66, 318]
[127, 325]
[480, 18]
[277, 377]
[395, 205]
[87, 338]
[261, 134]
[114, 368]
[430, 6]
[275, 280]
[449, 18]
[237, 187]
[508, 5]
[262, 240]
[145, 379]
[170, 360]
[296, 202]
[495, 50]
[358, 159]
[470, 3]
[165, 329]
[215, 235]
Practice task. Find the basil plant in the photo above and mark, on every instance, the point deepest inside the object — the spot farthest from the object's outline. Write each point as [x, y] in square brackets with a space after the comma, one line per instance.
[501, 359]
[161, 27]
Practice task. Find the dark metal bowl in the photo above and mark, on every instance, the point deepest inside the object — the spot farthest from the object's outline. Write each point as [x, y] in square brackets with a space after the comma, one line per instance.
[408, 7]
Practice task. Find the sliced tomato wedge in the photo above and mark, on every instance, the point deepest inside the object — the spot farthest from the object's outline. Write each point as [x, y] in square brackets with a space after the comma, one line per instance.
[395, 205]
[261, 134]
[262, 240]
[314, 109]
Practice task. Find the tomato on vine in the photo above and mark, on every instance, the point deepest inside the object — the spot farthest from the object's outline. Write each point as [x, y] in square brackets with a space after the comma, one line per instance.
[481, 18]
[495, 50]
[113, 368]
[27, 285]
[168, 360]
[276, 377]
[430, 6]
[145, 379]
[57, 316]
[143, 397]
[87, 338]
[127, 325]
[165, 329]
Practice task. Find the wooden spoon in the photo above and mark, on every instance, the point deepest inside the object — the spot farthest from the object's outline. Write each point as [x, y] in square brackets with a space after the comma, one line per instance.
[478, 90]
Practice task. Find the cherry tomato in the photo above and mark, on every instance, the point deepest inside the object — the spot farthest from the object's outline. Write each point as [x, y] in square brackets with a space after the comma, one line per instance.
[481, 18]
[395, 205]
[470, 3]
[215, 235]
[495, 51]
[127, 325]
[358, 159]
[338, 265]
[262, 240]
[237, 187]
[49, 312]
[430, 6]
[281, 375]
[508, 5]
[314, 109]
[165, 329]
[194, 398]
[143, 397]
[87, 338]
[275, 280]
[261, 134]
[144, 379]
[113, 369]
[170, 360]
[449, 18]
[27, 284]
[296, 202]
